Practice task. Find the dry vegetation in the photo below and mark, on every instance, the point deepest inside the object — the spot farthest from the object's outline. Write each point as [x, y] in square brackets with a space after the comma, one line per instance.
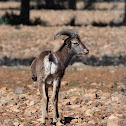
[104, 13]
[89, 95]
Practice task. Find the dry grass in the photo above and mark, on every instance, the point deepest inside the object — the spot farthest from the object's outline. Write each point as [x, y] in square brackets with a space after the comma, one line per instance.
[104, 13]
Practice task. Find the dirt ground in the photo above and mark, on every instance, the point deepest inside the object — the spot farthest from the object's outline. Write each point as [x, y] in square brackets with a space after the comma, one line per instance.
[20, 99]
[12, 76]
[93, 92]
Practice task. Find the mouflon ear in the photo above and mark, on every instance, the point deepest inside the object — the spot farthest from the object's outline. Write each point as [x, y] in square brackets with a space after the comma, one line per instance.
[69, 43]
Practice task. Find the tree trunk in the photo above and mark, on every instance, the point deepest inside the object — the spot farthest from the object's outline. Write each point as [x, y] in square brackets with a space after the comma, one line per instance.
[89, 4]
[49, 4]
[25, 10]
[38, 4]
[72, 4]
[124, 20]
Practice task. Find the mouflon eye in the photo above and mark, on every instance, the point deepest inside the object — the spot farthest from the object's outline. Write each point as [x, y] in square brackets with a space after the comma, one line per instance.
[76, 43]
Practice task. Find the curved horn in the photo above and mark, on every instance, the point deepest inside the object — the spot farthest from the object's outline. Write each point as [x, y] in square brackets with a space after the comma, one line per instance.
[69, 32]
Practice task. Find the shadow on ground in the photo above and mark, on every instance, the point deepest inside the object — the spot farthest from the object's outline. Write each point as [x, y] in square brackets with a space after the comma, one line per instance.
[15, 61]
[67, 120]
[101, 61]
[92, 61]
[111, 24]
[14, 19]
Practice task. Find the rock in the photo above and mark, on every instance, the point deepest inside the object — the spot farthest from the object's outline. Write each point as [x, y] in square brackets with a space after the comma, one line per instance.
[95, 109]
[92, 90]
[38, 124]
[31, 103]
[89, 112]
[18, 90]
[98, 94]
[14, 108]
[31, 87]
[83, 108]
[59, 124]
[89, 103]
[62, 95]
[16, 123]
[73, 121]
[90, 95]
[23, 96]
[27, 102]
[73, 91]
[122, 99]
[4, 101]
[75, 100]
[24, 124]
[107, 95]
[122, 87]
[30, 111]
[110, 85]
[66, 102]
[104, 122]
[112, 117]
[110, 109]
[40, 119]
[84, 124]
[1, 109]
[8, 122]
[115, 98]
[113, 121]
[94, 84]
[78, 64]
[64, 83]
[3, 90]
[75, 107]
[91, 122]
[11, 96]
[38, 93]
[33, 98]
[122, 122]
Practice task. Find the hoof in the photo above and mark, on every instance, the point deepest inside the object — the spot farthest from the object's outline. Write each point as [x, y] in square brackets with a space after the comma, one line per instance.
[43, 124]
[52, 123]
[35, 83]
[46, 118]
[55, 120]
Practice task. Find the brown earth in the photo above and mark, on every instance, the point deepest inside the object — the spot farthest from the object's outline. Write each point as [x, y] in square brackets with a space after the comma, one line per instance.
[88, 96]
[24, 42]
